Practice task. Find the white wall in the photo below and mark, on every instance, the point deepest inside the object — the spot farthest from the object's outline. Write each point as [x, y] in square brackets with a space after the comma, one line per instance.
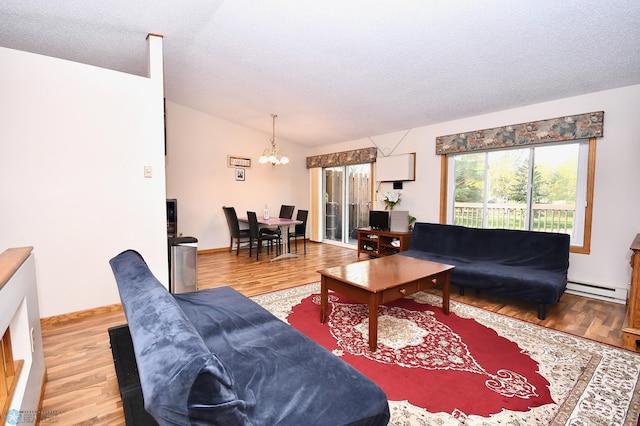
[73, 143]
[198, 176]
[616, 217]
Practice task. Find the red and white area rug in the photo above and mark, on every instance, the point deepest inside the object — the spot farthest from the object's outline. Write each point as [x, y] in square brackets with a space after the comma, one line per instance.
[472, 367]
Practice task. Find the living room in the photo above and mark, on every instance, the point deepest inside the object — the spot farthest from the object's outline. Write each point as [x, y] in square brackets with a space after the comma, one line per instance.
[78, 137]
[199, 187]
[79, 175]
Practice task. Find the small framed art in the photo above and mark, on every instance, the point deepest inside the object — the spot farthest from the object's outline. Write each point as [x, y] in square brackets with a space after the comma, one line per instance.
[233, 161]
[240, 174]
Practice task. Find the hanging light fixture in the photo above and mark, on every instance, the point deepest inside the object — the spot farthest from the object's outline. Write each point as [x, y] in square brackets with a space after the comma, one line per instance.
[271, 154]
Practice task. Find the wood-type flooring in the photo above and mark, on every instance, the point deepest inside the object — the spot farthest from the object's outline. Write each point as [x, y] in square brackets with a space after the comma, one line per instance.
[82, 387]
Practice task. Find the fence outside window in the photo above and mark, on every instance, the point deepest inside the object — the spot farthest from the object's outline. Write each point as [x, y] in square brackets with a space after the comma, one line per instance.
[545, 217]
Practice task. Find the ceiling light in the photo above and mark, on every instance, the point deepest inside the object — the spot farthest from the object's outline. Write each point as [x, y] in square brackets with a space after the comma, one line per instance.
[272, 154]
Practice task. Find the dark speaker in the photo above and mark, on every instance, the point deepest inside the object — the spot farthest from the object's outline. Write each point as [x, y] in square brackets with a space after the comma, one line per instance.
[172, 218]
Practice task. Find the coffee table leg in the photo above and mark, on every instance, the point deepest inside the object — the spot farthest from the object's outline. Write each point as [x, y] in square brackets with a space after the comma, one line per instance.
[446, 288]
[324, 299]
[373, 322]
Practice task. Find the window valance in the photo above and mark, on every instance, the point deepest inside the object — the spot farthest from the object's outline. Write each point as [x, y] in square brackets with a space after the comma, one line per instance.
[344, 158]
[581, 126]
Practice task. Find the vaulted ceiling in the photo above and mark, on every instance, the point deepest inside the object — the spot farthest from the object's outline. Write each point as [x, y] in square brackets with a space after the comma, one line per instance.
[338, 70]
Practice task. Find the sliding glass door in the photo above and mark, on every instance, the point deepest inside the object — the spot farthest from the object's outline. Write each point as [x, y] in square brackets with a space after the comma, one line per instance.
[347, 199]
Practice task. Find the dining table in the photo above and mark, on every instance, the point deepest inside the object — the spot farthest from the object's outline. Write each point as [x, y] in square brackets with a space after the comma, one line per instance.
[284, 225]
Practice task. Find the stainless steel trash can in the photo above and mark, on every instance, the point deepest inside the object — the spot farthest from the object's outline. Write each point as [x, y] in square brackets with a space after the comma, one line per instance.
[183, 264]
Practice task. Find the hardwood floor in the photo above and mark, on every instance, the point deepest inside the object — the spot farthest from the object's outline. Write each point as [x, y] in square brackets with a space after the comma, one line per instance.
[82, 387]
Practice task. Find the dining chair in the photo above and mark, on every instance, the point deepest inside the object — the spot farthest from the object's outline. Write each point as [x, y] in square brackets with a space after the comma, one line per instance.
[300, 230]
[259, 235]
[286, 212]
[234, 229]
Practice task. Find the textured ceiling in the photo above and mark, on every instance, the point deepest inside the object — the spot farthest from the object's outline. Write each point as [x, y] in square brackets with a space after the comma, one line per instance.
[338, 70]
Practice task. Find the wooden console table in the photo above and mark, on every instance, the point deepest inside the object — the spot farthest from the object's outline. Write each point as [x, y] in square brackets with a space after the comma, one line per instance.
[631, 328]
[382, 243]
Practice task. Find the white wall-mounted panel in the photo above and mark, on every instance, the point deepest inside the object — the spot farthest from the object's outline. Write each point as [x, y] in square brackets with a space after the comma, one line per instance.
[395, 168]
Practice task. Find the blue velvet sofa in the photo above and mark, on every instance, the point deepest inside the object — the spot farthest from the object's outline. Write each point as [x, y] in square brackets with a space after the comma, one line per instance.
[527, 265]
[214, 357]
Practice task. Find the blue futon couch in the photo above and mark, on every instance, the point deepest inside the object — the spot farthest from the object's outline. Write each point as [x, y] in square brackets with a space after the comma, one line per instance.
[214, 357]
[527, 265]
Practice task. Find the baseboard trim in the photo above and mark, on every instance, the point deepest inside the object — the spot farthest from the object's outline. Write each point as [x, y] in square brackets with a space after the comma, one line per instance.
[213, 250]
[223, 249]
[59, 319]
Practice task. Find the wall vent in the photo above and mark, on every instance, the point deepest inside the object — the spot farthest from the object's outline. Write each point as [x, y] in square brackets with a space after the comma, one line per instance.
[617, 295]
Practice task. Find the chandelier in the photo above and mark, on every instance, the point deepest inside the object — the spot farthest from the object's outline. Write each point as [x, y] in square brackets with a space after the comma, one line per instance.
[271, 154]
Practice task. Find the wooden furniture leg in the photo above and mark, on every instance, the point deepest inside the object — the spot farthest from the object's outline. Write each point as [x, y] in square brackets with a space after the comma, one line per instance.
[324, 299]
[373, 321]
[446, 288]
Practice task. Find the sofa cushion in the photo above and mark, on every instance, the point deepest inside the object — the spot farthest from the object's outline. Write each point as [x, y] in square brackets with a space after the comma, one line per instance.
[182, 381]
[293, 380]
[531, 284]
[524, 264]
[537, 250]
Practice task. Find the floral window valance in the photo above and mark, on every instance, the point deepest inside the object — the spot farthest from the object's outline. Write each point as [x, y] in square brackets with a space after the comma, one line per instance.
[345, 158]
[581, 126]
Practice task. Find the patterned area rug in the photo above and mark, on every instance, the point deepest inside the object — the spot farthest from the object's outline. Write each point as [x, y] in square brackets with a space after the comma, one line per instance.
[472, 367]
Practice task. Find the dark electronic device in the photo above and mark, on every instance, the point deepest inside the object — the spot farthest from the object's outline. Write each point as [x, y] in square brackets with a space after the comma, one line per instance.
[379, 220]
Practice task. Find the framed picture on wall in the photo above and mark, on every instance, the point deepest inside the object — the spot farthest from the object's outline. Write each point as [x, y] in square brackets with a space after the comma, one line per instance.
[239, 174]
[233, 161]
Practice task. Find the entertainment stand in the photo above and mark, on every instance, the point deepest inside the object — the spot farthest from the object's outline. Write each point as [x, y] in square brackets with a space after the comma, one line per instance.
[377, 243]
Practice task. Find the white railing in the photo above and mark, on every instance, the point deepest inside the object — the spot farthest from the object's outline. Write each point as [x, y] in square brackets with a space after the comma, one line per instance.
[546, 217]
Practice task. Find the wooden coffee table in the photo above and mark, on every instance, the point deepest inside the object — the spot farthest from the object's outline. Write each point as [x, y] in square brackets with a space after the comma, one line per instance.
[383, 280]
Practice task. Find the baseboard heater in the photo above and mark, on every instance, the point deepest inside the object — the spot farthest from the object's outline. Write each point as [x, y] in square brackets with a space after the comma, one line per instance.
[617, 295]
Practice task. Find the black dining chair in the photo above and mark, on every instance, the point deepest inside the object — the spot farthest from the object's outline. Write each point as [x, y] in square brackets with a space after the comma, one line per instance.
[234, 229]
[286, 212]
[259, 236]
[300, 230]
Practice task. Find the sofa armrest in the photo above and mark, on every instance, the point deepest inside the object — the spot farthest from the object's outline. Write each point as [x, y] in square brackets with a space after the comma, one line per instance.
[182, 381]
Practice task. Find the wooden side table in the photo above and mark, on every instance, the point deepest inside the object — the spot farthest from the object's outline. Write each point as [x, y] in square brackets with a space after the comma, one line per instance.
[631, 328]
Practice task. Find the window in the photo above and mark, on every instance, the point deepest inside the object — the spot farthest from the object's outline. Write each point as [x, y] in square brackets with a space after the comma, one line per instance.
[340, 195]
[546, 187]
[347, 198]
